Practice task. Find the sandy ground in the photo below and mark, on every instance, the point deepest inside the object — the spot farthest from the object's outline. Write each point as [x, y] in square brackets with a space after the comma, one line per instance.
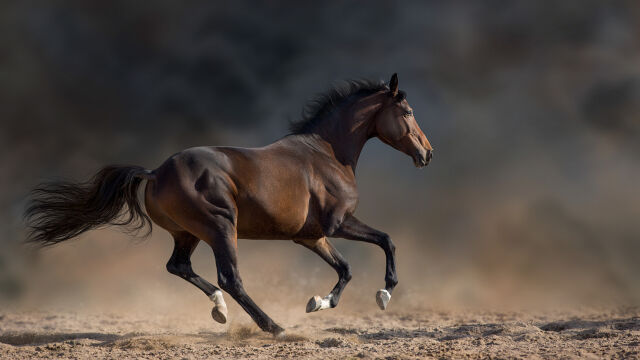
[395, 334]
[135, 310]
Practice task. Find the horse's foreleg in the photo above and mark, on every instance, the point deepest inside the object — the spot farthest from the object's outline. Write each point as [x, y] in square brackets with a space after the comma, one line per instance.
[180, 264]
[224, 243]
[353, 229]
[330, 254]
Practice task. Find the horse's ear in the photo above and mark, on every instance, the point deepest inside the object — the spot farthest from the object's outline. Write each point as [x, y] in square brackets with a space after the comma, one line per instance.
[393, 84]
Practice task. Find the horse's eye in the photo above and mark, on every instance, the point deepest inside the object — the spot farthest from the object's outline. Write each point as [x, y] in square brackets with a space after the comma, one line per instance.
[408, 113]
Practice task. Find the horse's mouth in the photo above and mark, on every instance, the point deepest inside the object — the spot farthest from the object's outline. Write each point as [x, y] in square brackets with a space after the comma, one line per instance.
[421, 160]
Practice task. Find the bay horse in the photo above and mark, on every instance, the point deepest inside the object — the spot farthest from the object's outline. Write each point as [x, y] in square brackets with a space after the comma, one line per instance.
[302, 188]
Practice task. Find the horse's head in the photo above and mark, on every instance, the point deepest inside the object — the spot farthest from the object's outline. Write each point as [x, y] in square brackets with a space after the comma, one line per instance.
[396, 126]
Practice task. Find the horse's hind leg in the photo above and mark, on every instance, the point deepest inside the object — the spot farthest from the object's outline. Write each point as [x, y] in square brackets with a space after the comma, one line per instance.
[222, 238]
[180, 264]
[330, 254]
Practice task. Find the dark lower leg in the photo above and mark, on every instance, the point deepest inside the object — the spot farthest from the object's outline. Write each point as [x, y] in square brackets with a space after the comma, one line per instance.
[390, 277]
[180, 264]
[229, 280]
[352, 229]
[330, 254]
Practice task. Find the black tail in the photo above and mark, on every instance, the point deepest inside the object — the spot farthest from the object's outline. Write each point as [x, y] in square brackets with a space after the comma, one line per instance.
[60, 210]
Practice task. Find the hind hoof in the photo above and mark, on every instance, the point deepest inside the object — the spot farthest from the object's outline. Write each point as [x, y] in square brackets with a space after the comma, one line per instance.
[314, 304]
[382, 298]
[317, 303]
[219, 311]
[279, 333]
[219, 314]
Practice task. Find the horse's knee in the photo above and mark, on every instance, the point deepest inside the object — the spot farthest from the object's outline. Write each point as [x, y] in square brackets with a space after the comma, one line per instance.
[387, 243]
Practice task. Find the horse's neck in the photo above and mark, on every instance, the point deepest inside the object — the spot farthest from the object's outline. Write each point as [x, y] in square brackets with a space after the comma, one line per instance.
[348, 130]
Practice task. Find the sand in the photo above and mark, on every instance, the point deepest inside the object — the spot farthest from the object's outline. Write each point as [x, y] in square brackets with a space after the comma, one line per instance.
[330, 334]
[101, 300]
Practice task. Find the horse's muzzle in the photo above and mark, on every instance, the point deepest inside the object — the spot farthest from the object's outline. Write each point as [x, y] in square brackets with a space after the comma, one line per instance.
[421, 159]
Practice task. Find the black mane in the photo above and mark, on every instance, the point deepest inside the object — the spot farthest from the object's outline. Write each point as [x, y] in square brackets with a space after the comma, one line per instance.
[316, 109]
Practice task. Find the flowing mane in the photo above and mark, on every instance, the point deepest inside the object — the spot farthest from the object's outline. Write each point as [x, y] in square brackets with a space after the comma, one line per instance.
[317, 108]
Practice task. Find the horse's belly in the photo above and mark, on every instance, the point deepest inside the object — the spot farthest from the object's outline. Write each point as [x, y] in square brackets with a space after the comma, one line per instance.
[280, 215]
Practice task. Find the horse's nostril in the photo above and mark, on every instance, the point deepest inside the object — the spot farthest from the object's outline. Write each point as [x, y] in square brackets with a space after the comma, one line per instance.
[429, 154]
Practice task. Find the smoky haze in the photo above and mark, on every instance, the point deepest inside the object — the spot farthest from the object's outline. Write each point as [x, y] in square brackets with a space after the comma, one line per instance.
[533, 109]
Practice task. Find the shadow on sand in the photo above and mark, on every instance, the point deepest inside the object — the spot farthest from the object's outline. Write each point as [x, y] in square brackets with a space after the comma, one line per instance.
[577, 328]
[32, 338]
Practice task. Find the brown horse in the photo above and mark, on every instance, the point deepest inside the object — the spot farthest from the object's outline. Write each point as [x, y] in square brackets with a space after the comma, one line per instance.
[302, 187]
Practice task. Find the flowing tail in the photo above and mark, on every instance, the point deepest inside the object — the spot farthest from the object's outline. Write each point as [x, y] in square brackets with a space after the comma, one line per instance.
[60, 210]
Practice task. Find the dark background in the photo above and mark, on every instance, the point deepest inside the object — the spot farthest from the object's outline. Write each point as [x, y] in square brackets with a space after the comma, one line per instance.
[533, 108]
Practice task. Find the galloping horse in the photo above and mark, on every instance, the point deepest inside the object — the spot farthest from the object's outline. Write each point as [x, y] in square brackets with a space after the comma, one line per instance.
[302, 187]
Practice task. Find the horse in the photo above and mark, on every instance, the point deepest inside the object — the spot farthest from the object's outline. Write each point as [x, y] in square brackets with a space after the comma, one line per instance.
[301, 188]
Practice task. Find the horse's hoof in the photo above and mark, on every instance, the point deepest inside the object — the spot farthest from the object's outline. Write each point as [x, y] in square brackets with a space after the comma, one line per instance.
[317, 303]
[219, 311]
[219, 314]
[314, 304]
[279, 333]
[382, 298]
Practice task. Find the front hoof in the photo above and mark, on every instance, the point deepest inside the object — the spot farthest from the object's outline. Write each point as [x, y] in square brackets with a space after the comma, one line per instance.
[382, 298]
[314, 304]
